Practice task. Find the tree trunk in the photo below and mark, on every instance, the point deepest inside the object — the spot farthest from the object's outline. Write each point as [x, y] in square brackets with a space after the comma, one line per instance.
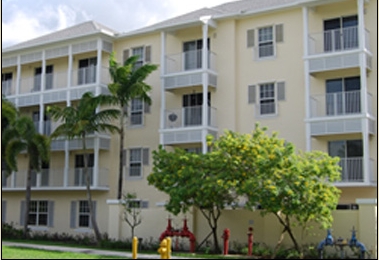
[287, 227]
[27, 199]
[119, 191]
[89, 196]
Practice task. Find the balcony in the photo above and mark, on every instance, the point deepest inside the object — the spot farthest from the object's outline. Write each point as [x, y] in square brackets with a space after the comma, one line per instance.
[352, 171]
[56, 86]
[337, 113]
[185, 69]
[336, 49]
[54, 179]
[184, 125]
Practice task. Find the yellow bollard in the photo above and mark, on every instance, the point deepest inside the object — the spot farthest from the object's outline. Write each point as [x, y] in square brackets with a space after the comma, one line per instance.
[162, 250]
[134, 247]
[168, 247]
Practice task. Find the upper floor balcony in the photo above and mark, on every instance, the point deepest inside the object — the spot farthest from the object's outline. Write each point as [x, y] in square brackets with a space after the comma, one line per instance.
[352, 172]
[56, 88]
[337, 49]
[185, 125]
[339, 112]
[186, 69]
[56, 179]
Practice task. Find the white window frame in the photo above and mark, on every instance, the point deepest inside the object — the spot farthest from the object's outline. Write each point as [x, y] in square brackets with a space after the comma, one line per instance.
[134, 161]
[136, 110]
[140, 51]
[38, 212]
[265, 41]
[267, 98]
[82, 207]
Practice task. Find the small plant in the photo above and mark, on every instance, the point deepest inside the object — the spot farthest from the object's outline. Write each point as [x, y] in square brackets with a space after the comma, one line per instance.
[8, 231]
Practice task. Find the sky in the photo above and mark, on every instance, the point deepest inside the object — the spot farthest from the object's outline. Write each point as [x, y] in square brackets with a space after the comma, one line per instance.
[22, 20]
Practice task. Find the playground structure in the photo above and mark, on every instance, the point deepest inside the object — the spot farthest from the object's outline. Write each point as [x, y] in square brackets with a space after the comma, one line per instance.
[341, 244]
[184, 232]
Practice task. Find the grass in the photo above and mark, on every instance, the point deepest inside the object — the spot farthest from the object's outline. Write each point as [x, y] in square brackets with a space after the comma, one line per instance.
[9, 252]
[27, 253]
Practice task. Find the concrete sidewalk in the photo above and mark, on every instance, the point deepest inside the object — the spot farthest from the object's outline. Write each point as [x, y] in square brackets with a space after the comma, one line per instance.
[86, 250]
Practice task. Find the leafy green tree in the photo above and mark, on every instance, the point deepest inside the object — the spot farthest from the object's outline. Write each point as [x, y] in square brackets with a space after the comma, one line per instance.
[79, 121]
[295, 187]
[127, 84]
[132, 211]
[22, 136]
[192, 180]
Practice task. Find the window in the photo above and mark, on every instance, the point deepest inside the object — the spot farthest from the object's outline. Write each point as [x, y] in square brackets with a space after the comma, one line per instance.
[6, 83]
[143, 52]
[193, 109]
[341, 33]
[139, 52]
[44, 181]
[38, 213]
[266, 38]
[80, 216]
[265, 42]
[84, 214]
[46, 123]
[193, 54]
[351, 158]
[80, 178]
[48, 78]
[343, 96]
[267, 99]
[87, 71]
[41, 213]
[137, 158]
[269, 94]
[136, 112]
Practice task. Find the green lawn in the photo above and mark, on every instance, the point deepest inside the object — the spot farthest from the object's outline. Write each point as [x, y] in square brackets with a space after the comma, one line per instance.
[27, 253]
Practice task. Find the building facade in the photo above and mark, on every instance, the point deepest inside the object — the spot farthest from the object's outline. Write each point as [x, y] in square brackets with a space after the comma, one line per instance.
[304, 68]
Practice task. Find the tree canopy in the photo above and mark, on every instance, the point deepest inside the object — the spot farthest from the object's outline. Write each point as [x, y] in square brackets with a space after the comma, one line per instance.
[297, 187]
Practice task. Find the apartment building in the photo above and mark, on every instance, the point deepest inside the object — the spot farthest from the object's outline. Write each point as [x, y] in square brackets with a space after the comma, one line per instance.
[304, 68]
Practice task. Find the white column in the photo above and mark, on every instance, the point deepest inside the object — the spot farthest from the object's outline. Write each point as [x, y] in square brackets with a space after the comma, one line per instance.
[41, 106]
[96, 144]
[98, 66]
[18, 79]
[163, 93]
[364, 101]
[308, 138]
[205, 108]
[68, 103]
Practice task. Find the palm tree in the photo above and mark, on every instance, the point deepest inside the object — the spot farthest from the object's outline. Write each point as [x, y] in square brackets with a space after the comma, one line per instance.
[22, 136]
[9, 114]
[79, 121]
[127, 84]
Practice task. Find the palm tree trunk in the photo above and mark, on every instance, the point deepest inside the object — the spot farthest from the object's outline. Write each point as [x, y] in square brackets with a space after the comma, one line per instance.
[27, 199]
[89, 196]
[119, 191]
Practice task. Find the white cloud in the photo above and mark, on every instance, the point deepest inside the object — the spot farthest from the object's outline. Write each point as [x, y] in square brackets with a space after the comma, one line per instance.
[22, 20]
[21, 27]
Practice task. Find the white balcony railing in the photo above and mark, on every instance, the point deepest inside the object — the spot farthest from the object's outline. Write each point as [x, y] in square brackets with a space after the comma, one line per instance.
[339, 103]
[7, 87]
[188, 117]
[54, 178]
[189, 60]
[352, 169]
[336, 40]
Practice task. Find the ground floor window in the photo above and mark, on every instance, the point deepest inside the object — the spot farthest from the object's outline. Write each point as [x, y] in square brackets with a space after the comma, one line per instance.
[38, 213]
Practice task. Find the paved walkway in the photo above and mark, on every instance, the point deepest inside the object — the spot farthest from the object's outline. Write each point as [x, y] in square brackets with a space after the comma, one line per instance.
[86, 250]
